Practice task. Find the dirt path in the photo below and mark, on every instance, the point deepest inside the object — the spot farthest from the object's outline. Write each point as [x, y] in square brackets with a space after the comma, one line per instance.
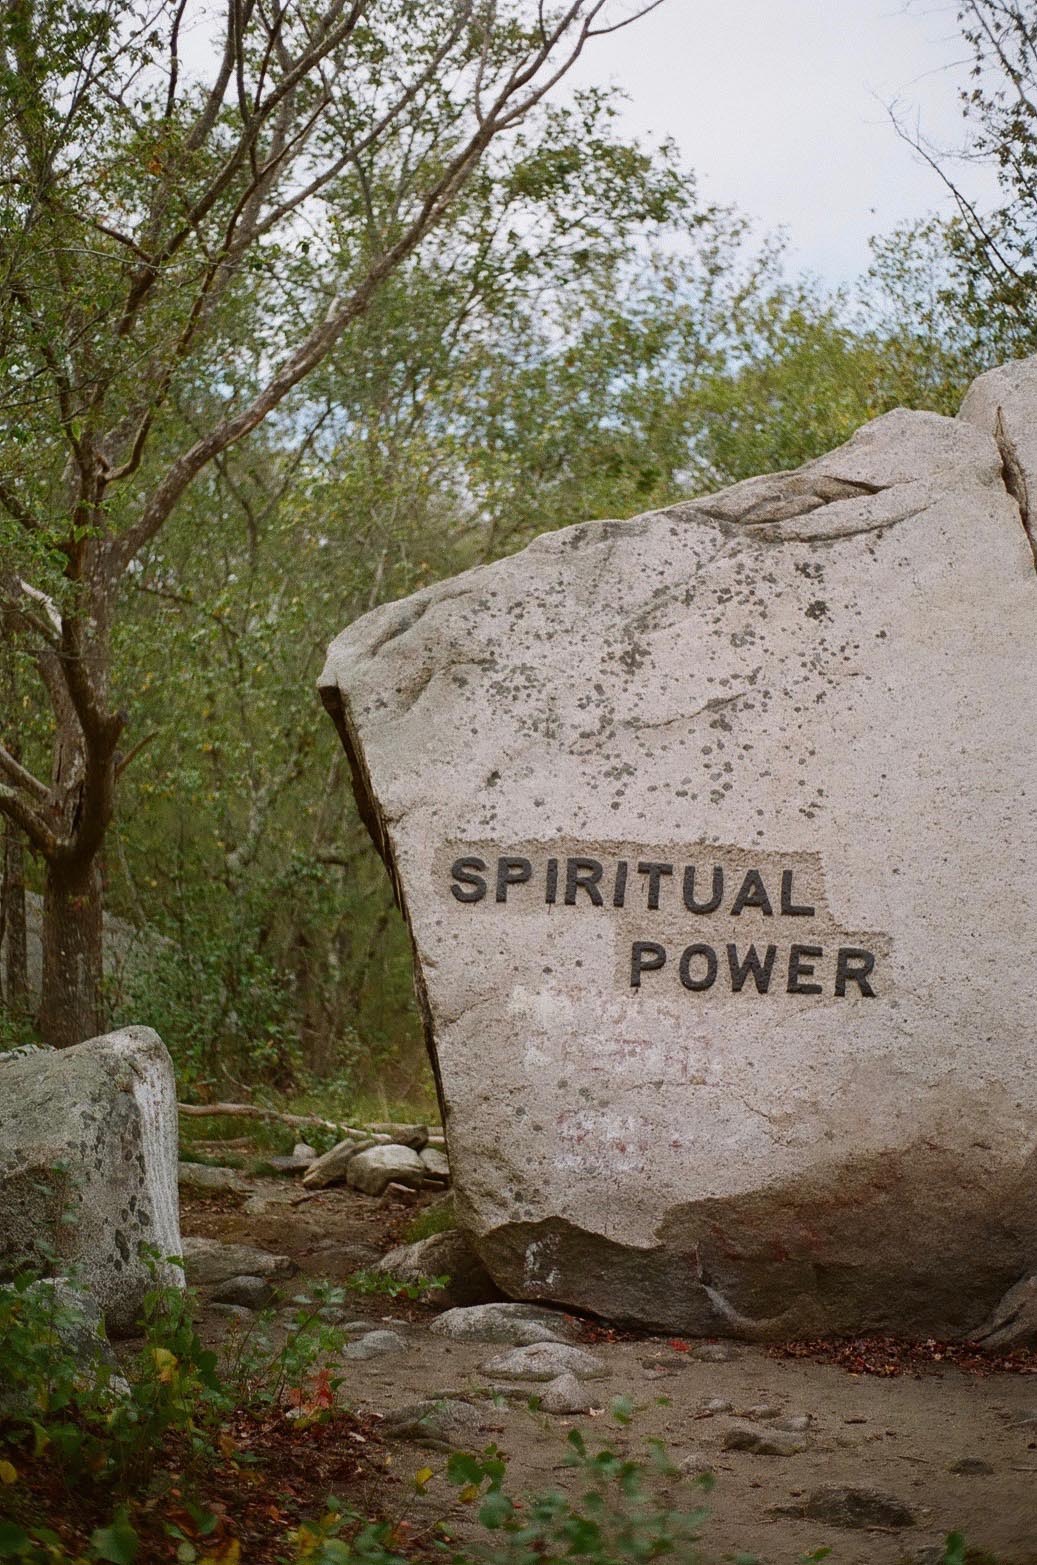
[902, 1435]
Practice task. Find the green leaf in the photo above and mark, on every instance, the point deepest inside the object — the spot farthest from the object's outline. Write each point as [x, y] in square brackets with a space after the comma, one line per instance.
[462, 1468]
[14, 1540]
[954, 1549]
[622, 1409]
[117, 1543]
[495, 1510]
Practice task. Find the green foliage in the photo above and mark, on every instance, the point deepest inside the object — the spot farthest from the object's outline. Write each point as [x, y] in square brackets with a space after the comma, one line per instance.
[436, 1218]
[395, 1287]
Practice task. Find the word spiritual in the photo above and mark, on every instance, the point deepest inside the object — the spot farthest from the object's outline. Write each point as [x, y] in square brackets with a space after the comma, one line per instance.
[582, 879]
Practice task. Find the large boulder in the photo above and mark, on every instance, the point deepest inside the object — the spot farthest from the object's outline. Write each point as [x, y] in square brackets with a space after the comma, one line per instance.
[88, 1168]
[716, 832]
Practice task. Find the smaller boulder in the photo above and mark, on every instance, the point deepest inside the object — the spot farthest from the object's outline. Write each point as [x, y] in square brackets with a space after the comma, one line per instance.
[1013, 1323]
[437, 1165]
[372, 1170]
[516, 1325]
[443, 1255]
[565, 1395]
[375, 1344]
[331, 1168]
[248, 1293]
[208, 1261]
[444, 1424]
[856, 1506]
[413, 1136]
[545, 1361]
[211, 1181]
[759, 1441]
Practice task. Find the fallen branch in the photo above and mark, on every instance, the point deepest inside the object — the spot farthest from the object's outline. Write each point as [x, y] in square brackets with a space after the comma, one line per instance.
[253, 1111]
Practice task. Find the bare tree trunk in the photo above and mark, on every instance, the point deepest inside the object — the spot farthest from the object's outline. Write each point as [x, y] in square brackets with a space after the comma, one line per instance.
[13, 944]
[70, 1008]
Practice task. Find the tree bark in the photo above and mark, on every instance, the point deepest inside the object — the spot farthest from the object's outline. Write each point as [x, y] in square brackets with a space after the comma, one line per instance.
[71, 1002]
[13, 944]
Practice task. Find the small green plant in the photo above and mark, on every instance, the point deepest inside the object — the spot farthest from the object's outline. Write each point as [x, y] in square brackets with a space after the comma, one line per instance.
[436, 1218]
[395, 1287]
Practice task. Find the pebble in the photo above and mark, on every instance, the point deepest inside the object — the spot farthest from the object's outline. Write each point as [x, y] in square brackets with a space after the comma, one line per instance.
[716, 1352]
[375, 1343]
[795, 1423]
[971, 1466]
[717, 1405]
[545, 1361]
[694, 1463]
[761, 1442]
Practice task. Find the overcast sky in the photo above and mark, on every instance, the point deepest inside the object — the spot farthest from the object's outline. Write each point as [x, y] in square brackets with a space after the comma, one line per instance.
[781, 108]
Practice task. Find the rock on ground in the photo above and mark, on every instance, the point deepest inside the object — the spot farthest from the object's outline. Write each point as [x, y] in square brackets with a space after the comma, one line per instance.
[249, 1293]
[209, 1261]
[857, 1506]
[1013, 1323]
[88, 1167]
[761, 1441]
[373, 1171]
[631, 784]
[545, 1361]
[332, 1167]
[200, 1176]
[449, 1255]
[565, 1395]
[413, 1136]
[444, 1424]
[72, 1322]
[518, 1325]
[437, 1165]
[375, 1344]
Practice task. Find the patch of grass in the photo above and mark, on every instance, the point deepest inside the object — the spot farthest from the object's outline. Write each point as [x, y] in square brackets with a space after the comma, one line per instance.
[211, 1159]
[436, 1218]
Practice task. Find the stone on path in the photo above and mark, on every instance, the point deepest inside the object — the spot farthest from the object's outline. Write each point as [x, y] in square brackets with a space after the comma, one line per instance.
[762, 1441]
[88, 1168]
[716, 1352]
[330, 1168]
[371, 1172]
[519, 1325]
[545, 1361]
[724, 798]
[210, 1261]
[971, 1467]
[200, 1176]
[450, 1255]
[565, 1395]
[248, 1293]
[856, 1506]
[444, 1424]
[375, 1344]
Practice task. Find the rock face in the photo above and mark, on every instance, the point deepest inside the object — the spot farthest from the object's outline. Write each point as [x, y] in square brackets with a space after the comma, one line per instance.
[88, 1167]
[715, 833]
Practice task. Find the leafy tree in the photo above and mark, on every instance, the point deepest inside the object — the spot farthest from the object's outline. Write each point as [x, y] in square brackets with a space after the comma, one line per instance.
[182, 245]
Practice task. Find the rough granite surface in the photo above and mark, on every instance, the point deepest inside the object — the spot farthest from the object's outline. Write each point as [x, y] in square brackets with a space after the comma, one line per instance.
[818, 687]
[88, 1167]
